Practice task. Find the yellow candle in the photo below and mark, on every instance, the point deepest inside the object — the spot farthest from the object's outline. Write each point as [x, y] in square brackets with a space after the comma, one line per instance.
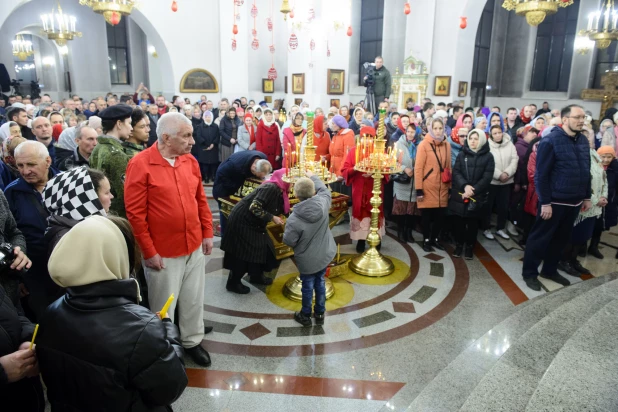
[166, 307]
[36, 330]
[338, 252]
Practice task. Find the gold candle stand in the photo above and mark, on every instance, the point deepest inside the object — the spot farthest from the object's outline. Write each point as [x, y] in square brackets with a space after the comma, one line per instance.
[372, 262]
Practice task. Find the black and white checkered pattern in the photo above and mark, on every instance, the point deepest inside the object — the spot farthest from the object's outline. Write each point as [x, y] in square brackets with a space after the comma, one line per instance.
[71, 194]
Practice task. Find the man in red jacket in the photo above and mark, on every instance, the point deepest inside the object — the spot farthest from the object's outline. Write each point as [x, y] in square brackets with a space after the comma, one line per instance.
[167, 208]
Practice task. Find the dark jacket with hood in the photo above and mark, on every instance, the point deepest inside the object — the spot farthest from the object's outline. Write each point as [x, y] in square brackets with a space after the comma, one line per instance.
[476, 170]
[232, 173]
[308, 233]
[563, 168]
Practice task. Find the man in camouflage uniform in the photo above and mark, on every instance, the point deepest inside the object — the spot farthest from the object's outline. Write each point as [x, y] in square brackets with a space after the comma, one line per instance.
[139, 135]
[109, 155]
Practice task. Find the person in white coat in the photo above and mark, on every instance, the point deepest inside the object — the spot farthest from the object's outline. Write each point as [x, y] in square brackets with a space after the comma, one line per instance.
[505, 158]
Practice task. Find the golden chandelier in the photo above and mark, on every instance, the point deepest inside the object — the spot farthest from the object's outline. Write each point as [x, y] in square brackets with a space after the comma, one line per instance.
[112, 10]
[535, 10]
[59, 27]
[602, 25]
[22, 48]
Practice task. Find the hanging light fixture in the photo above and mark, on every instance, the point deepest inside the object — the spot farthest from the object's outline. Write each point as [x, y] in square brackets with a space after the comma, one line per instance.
[535, 10]
[59, 27]
[582, 43]
[112, 10]
[601, 27]
[285, 9]
[22, 48]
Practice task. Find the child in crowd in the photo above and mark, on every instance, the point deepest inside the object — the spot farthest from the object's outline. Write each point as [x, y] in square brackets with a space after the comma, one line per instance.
[307, 232]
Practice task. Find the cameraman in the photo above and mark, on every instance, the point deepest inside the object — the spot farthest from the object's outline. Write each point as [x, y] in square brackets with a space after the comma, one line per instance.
[381, 81]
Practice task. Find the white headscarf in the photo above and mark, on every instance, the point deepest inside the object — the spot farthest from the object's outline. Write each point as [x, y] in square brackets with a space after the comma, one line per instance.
[67, 139]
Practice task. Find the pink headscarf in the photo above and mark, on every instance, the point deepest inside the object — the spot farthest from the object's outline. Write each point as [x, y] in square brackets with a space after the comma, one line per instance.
[277, 178]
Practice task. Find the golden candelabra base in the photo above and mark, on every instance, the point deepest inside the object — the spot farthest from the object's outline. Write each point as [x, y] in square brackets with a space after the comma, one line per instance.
[293, 289]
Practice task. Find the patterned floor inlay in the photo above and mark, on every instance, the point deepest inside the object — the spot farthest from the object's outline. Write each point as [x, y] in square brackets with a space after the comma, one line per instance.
[423, 294]
[436, 269]
[220, 327]
[433, 256]
[373, 319]
[255, 331]
[403, 307]
[299, 331]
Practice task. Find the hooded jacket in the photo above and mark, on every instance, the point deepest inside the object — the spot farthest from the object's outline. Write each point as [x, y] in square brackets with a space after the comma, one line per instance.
[505, 158]
[308, 233]
[126, 359]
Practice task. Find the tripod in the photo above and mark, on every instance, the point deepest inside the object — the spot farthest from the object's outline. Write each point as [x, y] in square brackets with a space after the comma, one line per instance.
[370, 101]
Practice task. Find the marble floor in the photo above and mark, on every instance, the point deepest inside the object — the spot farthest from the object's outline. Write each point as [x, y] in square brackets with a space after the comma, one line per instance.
[439, 334]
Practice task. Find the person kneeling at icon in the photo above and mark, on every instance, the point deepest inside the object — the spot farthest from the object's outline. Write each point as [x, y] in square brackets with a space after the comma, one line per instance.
[308, 233]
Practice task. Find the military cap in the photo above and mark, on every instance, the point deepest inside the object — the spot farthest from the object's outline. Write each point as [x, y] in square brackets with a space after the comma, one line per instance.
[116, 112]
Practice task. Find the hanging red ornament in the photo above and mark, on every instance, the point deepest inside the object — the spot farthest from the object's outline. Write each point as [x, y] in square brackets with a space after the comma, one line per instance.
[269, 24]
[272, 73]
[349, 32]
[254, 11]
[272, 48]
[239, 2]
[234, 44]
[406, 8]
[312, 44]
[174, 6]
[293, 43]
[115, 19]
[292, 13]
[235, 29]
[255, 44]
[463, 22]
[254, 32]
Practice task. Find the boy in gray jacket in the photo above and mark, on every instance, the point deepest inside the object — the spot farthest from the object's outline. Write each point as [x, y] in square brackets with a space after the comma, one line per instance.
[307, 232]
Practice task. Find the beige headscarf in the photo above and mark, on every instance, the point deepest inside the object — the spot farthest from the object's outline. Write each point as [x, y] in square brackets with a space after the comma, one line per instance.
[93, 251]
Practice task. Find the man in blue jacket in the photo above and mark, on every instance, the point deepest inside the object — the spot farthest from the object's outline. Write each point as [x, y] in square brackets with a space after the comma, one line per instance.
[232, 173]
[563, 186]
[26, 204]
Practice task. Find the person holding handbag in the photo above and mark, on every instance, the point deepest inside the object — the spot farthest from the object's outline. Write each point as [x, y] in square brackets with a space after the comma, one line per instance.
[404, 205]
[472, 175]
[432, 181]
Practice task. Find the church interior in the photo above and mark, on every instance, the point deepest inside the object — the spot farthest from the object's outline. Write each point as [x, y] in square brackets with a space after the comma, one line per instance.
[419, 330]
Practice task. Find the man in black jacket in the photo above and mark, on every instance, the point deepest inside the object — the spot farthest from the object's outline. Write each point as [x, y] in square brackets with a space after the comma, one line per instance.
[234, 171]
[153, 116]
[20, 116]
[513, 122]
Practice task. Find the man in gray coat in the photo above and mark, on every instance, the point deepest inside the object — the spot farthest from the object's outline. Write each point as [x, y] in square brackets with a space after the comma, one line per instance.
[307, 232]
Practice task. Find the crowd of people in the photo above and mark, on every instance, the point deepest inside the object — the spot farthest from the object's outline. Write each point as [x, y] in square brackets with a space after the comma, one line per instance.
[105, 213]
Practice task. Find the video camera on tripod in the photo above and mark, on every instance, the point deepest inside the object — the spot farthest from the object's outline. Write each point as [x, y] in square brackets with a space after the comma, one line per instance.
[16, 85]
[370, 102]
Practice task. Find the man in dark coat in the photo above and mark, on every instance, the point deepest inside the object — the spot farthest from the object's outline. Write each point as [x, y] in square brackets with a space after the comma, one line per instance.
[153, 116]
[26, 205]
[234, 171]
[513, 123]
[563, 185]
[382, 81]
[20, 116]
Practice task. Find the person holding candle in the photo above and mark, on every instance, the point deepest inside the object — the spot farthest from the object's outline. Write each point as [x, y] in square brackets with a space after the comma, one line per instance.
[268, 139]
[362, 187]
[308, 233]
[432, 180]
[97, 348]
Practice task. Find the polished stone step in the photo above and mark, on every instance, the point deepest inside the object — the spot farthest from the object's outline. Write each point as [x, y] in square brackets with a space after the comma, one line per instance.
[512, 381]
[452, 386]
[584, 374]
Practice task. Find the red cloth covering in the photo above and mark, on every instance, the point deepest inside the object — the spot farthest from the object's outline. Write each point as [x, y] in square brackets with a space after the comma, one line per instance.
[171, 217]
[321, 139]
[362, 188]
[267, 141]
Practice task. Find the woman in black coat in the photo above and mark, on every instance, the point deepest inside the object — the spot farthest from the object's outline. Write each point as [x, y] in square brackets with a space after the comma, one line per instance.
[247, 246]
[98, 349]
[228, 128]
[472, 174]
[206, 147]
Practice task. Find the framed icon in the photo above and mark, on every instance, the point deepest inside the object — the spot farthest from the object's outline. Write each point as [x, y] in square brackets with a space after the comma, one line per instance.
[268, 99]
[335, 81]
[442, 86]
[463, 89]
[297, 102]
[298, 83]
[268, 86]
[198, 81]
[334, 103]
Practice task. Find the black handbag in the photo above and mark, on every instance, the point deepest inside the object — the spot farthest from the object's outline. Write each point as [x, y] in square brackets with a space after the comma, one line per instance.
[401, 178]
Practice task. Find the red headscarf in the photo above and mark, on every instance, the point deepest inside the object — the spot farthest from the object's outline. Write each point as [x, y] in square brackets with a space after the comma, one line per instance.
[277, 178]
[318, 125]
[400, 125]
[367, 130]
[523, 118]
[461, 119]
[56, 131]
[250, 130]
[455, 134]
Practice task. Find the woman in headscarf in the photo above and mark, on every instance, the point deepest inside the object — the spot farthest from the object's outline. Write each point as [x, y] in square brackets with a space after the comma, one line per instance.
[268, 139]
[480, 122]
[71, 197]
[291, 113]
[432, 180]
[402, 125]
[56, 131]
[247, 246]
[246, 134]
[222, 114]
[472, 175]
[538, 122]
[585, 223]
[456, 140]
[228, 129]
[84, 368]
[603, 127]
[321, 140]
[294, 134]
[391, 122]
[466, 120]
[404, 204]
[610, 137]
[206, 148]
[345, 112]
[196, 119]
[526, 114]
[362, 187]
[356, 121]
[341, 143]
